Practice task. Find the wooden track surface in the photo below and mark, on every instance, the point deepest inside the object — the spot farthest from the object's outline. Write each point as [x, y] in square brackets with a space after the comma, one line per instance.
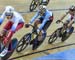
[22, 6]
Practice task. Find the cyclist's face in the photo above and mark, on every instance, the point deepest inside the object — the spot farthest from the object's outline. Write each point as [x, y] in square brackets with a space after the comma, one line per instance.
[72, 12]
[8, 17]
[42, 12]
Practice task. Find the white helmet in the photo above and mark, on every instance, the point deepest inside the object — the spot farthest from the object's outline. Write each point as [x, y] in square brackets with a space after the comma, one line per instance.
[42, 9]
[9, 11]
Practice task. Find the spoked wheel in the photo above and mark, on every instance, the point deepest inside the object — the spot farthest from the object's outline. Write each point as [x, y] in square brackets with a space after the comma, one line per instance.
[23, 43]
[52, 38]
[33, 5]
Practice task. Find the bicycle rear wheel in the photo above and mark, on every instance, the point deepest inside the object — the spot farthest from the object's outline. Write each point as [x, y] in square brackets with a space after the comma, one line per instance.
[23, 43]
[64, 36]
[33, 5]
[37, 43]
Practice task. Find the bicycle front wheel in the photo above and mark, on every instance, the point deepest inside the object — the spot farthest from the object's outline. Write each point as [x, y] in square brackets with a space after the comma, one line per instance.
[33, 5]
[23, 43]
[53, 37]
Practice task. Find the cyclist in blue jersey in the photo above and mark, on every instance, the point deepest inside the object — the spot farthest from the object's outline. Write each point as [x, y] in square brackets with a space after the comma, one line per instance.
[44, 17]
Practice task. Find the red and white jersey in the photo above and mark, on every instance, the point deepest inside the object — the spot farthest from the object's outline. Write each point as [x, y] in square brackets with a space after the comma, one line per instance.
[17, 18]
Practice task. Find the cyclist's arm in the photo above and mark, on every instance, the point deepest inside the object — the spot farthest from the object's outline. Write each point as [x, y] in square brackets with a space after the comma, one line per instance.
[64, 16]
[14, 26]
[33, 19]
[2, 17]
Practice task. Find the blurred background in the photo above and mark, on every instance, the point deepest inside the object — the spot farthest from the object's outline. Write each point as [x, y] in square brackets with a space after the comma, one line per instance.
[23, 7]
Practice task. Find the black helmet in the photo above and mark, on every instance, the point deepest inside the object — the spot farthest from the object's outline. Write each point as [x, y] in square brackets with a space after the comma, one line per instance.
[72, 8]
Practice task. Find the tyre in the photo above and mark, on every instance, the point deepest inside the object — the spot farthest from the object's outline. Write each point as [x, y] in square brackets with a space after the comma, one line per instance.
[64, 37]
[37, 43]
[23, 43]
[53, 37]
[14, 44]
[72, 29]
[33, 5]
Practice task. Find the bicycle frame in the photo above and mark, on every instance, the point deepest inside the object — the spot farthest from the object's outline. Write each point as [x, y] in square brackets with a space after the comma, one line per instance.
[33, 33]
[63, 27]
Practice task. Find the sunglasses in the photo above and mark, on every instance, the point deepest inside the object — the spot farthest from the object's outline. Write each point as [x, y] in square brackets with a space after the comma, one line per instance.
[9, 14]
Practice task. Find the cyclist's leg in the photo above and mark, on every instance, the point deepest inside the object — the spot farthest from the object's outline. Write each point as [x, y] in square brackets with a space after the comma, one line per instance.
[69, 27]
[10, 33]
[7, 39]
[37, 22]
[6, 28]
[68, 31]
[64, 27]
[48, 23]
[20, 25]
[43, 33]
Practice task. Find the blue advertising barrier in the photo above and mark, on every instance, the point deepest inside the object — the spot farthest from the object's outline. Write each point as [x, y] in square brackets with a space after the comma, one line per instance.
[65, 55]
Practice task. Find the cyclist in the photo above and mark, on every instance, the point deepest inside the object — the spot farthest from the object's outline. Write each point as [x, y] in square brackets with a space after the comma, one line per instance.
[45, 18]
[70, 20]
[15, 22]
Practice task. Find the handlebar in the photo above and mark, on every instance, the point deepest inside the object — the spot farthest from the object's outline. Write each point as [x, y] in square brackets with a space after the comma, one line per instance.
[59, 22]
[34, 30]
[64, 24]
[32, 25]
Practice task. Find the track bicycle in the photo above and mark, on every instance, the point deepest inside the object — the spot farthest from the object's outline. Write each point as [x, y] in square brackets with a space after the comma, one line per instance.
[11, 47]
[36, 3]
[60, 33]
[29, 39]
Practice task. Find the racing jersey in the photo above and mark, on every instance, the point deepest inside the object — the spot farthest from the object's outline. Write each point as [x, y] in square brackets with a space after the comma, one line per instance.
[17, 18]
[70, 17]
[48, 15]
